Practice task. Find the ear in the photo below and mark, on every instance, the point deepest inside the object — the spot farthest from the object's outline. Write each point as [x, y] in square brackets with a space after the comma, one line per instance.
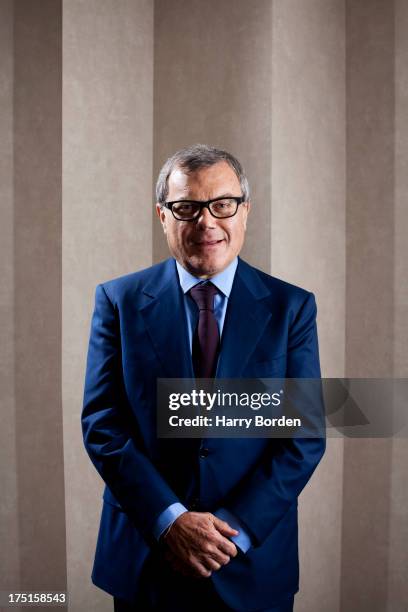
[246, 208]
[162, 215]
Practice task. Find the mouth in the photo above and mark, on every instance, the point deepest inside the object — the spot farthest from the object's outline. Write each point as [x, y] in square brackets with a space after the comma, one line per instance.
[203, 244]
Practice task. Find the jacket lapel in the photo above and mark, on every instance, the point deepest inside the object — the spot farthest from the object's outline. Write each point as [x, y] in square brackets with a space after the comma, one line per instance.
[246, 318]
[165, 319]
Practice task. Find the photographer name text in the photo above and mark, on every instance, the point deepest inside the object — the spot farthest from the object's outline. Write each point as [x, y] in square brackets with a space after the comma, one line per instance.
[223, 421]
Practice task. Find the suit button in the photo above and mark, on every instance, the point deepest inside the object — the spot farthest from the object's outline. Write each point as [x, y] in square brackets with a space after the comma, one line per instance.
[204, 452]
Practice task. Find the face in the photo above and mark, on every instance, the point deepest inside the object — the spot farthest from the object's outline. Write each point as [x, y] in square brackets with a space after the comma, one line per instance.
[207, 245]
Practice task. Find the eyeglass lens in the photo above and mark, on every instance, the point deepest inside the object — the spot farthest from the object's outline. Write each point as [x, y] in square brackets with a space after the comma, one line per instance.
[220, 208]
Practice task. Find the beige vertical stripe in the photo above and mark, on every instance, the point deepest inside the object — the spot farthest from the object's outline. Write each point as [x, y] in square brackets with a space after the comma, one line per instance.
[107, 169]
[307, 237]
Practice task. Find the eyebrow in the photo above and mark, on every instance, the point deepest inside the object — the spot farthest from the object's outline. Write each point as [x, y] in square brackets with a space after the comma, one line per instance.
[218, 197]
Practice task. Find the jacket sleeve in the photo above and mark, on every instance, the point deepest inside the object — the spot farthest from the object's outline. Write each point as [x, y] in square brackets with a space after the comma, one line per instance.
[274, 485]
[110, 431]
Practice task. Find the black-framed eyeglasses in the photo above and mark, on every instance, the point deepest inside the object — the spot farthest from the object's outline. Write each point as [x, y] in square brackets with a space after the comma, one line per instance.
[220, 208]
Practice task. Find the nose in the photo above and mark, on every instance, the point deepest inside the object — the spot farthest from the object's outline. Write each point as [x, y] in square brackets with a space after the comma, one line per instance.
[205, 219]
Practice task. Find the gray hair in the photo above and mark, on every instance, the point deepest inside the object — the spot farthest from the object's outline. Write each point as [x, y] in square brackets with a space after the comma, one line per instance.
[193, 158]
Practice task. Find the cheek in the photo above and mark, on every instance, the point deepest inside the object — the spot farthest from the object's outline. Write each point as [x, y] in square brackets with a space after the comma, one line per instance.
[178, 238]
[236, 235]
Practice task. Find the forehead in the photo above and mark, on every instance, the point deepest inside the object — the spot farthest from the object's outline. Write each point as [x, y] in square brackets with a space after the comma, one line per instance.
[203, 184]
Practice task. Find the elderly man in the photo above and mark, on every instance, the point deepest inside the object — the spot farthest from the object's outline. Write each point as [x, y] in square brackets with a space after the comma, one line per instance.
[209, 524]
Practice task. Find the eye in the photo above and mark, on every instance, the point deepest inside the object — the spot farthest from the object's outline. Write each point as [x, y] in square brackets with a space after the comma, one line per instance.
[184, 207]
[223, 205]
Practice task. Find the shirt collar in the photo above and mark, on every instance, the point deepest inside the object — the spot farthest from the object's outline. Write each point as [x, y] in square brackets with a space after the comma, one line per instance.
[223, 281]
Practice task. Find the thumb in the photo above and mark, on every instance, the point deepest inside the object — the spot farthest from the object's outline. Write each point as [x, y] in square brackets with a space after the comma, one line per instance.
[224, 528]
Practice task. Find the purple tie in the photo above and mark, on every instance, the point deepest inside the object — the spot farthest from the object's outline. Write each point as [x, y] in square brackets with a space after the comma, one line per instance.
[206, 337]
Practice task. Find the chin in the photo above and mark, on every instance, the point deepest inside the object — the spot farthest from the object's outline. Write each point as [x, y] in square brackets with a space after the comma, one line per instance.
[206, 268]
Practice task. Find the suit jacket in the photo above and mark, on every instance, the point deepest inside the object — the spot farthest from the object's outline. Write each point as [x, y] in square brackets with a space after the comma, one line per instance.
[139, 334]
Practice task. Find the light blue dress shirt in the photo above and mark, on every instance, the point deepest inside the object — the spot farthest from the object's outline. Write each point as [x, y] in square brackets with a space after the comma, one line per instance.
[223, 281]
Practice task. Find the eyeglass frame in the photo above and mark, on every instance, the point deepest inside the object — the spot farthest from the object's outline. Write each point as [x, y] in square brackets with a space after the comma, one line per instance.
[238, 199]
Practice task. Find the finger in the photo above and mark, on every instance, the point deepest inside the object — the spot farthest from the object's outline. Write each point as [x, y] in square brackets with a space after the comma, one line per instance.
[224, 528]
[199, 569]
[212, 551]
[227, 547]
[194, 566]
[221, 544]
[221, 558]
[211, 564]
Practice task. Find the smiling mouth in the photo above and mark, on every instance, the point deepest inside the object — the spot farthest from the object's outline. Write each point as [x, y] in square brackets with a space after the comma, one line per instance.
[208, 243]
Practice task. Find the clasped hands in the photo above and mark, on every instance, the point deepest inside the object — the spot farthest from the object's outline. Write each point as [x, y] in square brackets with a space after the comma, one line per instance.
[197, 544]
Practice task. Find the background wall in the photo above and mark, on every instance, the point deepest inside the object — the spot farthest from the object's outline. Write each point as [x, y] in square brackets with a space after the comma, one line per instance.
[312, 96]
[107, 229]
[32, 496]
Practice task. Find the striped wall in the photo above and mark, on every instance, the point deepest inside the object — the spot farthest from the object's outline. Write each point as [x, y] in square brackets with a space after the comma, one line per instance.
[312, 96]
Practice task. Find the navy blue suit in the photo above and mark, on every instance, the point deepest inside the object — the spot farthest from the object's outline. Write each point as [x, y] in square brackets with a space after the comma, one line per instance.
[138, 334]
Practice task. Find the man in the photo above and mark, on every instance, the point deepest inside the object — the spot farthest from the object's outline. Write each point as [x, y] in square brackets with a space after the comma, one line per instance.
[187, 524]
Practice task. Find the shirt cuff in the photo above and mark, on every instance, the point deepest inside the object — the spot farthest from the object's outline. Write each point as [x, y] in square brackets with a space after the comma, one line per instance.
[167, 518]
[243, 539]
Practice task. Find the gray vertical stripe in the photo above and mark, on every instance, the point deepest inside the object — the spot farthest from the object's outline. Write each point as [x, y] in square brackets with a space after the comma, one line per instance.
[212, 84]
[370, 94]
[37, 292]
[9, 543]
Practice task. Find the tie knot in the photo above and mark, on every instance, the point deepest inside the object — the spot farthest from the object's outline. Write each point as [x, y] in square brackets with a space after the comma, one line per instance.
[203, 295]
